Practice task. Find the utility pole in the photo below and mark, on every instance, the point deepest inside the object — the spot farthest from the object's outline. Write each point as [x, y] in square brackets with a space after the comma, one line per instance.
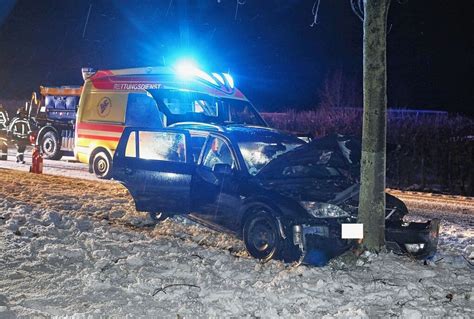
[373, 166]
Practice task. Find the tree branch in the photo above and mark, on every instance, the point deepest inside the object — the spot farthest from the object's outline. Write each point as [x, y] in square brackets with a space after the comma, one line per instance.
[315, 11]
[358, 8]
[172, 285]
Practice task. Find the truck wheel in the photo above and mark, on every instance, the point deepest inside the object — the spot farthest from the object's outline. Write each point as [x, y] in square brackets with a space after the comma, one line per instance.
[51, 146]
[262, 237]
[102, 165]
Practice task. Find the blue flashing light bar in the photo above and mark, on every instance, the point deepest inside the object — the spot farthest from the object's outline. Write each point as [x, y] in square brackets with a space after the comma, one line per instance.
[229, 80]
[187, 69]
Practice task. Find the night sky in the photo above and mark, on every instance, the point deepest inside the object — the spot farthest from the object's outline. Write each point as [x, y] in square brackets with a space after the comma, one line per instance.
[278, 60]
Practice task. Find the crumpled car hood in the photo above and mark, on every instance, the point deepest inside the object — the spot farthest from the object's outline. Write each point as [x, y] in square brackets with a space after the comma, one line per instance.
[325, 191]
[325, 170]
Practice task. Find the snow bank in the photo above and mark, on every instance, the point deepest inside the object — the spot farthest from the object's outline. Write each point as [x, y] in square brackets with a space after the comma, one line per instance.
[54, 264]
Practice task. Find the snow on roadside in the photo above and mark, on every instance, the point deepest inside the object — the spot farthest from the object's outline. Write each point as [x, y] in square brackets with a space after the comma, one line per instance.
[53, 264]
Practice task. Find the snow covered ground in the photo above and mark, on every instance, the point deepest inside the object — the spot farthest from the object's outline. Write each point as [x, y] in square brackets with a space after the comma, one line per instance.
[77, 248]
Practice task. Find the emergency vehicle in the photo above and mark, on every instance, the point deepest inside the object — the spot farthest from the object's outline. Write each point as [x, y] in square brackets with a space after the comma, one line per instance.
[56, 119]
[154, 97]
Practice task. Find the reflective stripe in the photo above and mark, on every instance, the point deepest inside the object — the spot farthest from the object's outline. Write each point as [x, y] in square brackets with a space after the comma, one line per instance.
[99, 133]
[100, 127]
[106, 132]
[98, 137]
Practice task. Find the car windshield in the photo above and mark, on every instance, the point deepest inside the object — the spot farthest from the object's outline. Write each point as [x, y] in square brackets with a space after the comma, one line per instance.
[193, 106]
[260, 150]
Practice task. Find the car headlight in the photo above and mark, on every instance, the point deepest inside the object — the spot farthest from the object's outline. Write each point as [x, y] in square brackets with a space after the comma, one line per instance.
[324, 210]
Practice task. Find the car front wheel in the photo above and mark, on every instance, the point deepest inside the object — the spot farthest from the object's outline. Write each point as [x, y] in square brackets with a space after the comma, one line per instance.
[262, 237]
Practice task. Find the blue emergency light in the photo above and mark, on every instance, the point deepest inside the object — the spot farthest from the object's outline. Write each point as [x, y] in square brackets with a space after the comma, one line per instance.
[187, 69]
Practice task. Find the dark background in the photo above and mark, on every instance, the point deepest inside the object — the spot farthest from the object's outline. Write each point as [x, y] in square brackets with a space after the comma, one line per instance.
[277, 59]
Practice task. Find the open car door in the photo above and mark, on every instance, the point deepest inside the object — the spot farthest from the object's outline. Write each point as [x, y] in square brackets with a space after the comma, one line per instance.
[156, 166]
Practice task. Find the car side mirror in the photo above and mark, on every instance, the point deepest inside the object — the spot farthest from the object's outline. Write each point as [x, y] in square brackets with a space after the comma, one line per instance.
[222, 169]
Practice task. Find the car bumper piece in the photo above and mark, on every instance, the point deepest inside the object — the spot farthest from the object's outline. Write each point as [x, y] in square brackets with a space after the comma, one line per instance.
[419, 240]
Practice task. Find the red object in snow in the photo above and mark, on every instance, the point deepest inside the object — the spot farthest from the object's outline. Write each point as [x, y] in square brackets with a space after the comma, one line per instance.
[32, 138]
[36, 161]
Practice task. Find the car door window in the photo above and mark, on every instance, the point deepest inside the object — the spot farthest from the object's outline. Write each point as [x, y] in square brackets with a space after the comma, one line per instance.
[131, 149]
[196, 145]
[217, 152]
[159, 176]
[162, 146]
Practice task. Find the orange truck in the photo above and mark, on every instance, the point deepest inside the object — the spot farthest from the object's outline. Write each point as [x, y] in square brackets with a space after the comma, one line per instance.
[153, 97]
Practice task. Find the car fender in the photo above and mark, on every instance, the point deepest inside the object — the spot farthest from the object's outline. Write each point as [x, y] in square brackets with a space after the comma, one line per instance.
[273, 206]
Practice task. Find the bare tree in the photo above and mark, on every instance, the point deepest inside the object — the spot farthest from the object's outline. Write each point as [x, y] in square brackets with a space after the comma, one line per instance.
[373, 162]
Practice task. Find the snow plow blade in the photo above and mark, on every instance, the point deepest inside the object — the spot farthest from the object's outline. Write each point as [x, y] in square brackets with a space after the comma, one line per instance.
[419, 240]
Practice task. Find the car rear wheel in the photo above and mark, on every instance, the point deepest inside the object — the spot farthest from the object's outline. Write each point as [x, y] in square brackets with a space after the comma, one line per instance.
[102, 165]
[51, 146]
[262, 236]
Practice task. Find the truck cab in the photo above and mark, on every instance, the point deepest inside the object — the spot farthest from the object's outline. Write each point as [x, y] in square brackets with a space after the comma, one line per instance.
[55, 118]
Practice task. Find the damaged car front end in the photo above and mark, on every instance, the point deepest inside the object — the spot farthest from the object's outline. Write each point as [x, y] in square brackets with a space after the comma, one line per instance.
[322, 176]
[416, 239]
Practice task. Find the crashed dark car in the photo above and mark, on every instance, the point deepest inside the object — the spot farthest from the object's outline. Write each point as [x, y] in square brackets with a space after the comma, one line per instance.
[282, 196]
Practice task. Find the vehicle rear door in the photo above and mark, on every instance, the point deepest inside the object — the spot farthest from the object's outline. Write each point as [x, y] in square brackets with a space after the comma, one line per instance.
[156, 166]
